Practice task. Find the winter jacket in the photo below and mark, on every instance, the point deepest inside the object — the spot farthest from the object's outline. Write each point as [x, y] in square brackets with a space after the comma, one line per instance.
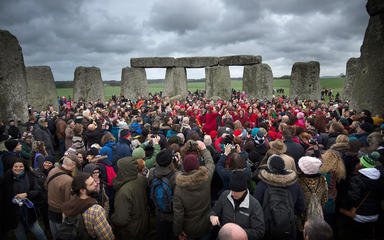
[294, 149]
[59, 188]
[192, 201]
[131, 216]
[12, 185]
[43, 134]
[365, 184]
[92, 137]
[288, 181]
[249, 215]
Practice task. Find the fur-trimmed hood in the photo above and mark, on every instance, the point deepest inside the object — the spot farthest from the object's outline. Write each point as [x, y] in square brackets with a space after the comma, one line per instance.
[193, 179]
[340, 147]
[278, 180]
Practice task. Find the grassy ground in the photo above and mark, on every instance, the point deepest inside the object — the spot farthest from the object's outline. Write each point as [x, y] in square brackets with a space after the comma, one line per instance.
[336, 84]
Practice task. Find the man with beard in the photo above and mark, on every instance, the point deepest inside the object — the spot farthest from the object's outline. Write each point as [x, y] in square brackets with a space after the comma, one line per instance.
[93, 215]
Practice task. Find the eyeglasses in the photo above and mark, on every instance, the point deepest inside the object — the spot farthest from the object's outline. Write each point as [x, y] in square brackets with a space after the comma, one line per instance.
[96, 172]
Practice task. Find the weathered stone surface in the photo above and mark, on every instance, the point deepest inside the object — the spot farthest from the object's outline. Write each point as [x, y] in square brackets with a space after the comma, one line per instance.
[368, 91]
[153, 62]
[258, 80]
[175, 82]
[305, 80]
[196, 62]
[134, 82]
[218, 82]
[375, 7]
[239, 60]
[352, 75]
[88, 84]
[41, 90]
[13, 84]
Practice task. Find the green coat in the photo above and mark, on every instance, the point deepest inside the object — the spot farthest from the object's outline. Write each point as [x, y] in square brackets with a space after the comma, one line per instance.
[131, 216]
[192, 200]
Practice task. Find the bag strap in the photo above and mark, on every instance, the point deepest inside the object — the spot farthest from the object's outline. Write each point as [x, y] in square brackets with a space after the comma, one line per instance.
[54, 176]
[362, 201]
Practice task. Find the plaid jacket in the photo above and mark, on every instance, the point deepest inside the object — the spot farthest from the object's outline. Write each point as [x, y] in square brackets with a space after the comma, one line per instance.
[96, 223]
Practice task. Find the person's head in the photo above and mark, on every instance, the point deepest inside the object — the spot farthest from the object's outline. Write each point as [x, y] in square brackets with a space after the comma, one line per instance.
[369, 160]
[69, 162]
[309, 165]
[332, 162]
[238, 184]
[48, 163]
[276, 164]
[83, 185]
[342, 138]
[164, 157]
[232, 231]
[39, 146]
[43, 122]
[78, 130]
[93, 170]
[317, 229]
[288, 132]
[18, 167]
[13, 145]
[107, 137]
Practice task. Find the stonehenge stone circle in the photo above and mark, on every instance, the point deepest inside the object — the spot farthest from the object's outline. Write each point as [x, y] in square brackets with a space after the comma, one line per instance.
[305, 80]
[352, 74]
[134, 82]
[367, 92]
[13, 84]
[239, 60]
[41, 90]
[258, 80]
[88, 84]
[175, 81]
[218, 82]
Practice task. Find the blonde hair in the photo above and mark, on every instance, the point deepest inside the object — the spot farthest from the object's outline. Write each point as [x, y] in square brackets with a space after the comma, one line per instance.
[333, 163]
[342, 138]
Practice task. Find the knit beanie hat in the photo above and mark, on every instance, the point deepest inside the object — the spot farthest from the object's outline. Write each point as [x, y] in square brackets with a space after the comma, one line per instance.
[238, 181]
[11, 144]
[276, 164]
[138, 153]
[90, 168]
[309, 165]
[164, 157]
[93, 151]
[125, 133]
[367, 127]
[191, 162]
[368, 160]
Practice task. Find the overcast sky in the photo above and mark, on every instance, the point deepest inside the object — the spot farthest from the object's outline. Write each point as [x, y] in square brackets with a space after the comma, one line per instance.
[64, 34]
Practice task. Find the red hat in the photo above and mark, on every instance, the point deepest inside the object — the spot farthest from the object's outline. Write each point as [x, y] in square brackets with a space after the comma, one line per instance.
[213, 134]
[237, 132]
[191, 162]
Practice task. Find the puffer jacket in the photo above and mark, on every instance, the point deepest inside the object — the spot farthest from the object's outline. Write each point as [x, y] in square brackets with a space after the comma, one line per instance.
[131, 216]
[192, 200]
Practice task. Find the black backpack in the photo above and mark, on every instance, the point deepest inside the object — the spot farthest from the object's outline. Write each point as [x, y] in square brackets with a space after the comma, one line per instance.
[72, 228]
[279, 216]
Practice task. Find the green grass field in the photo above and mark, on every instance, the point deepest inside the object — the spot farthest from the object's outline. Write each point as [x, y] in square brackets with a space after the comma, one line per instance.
[336, 84]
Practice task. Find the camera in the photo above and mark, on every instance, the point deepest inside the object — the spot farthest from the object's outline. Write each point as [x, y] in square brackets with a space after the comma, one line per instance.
[17, 201]
[312, 141]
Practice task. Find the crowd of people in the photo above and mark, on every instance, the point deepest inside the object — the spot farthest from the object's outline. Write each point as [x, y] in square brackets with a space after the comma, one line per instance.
[193, 168]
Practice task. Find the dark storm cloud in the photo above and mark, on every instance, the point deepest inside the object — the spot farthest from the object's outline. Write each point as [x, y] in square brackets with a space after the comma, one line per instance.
[66, 34]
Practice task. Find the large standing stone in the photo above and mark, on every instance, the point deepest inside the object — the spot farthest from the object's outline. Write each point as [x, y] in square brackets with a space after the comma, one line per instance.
[196, 62]
[305, 80]
[218, 82]
[13, 84]
[239, 60]
[175, 81]
[153, 62]
[258, 80]
[41, 90]
[88, 84]
[134, 82]
[352, 74]
[368, 90]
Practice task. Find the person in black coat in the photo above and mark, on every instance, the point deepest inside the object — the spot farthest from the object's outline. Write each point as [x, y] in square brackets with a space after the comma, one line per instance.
[20, 190]
[294, 149]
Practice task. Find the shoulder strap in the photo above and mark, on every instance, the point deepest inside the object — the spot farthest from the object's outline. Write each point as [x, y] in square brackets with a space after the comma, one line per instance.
[54, 176]
[362, 201]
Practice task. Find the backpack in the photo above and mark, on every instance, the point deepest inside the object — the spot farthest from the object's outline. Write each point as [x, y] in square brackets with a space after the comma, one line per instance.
[162, 194]
[110, 173]
[279, 216]
[72, 228]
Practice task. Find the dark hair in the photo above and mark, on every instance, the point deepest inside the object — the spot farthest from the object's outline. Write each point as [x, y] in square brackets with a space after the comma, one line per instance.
[78, 182]
[316, 229]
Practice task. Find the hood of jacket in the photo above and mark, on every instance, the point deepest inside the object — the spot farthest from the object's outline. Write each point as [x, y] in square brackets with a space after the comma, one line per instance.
[371, 173]
[340, 147]
[127, 171]
[77, 205]
[278, 180]
[193, 179]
